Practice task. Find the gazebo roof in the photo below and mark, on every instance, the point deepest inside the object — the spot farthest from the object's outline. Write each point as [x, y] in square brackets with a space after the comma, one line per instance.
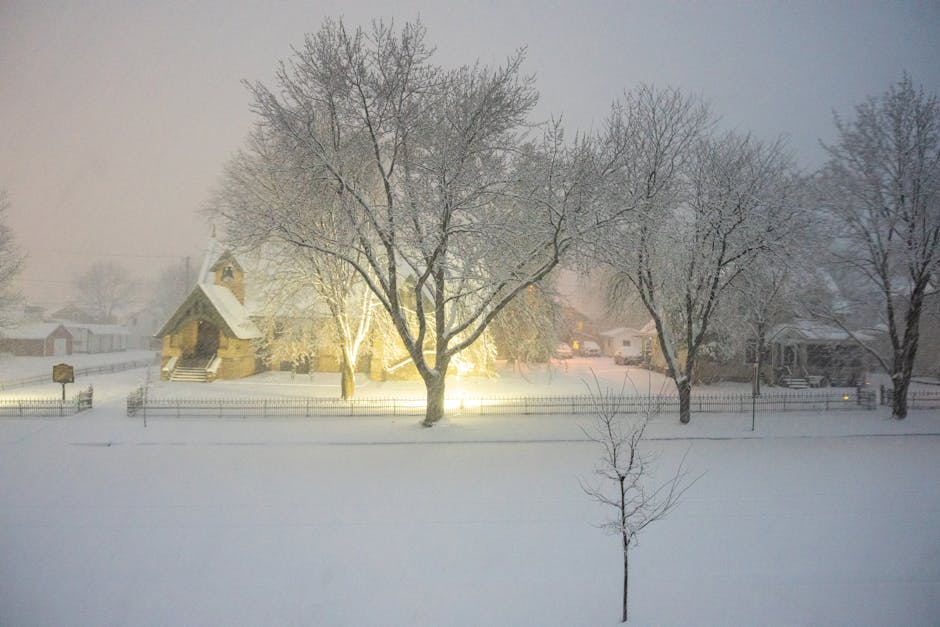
[813, 331]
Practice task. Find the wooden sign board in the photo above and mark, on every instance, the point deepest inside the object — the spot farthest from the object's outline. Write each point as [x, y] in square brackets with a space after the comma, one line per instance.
[63, 373]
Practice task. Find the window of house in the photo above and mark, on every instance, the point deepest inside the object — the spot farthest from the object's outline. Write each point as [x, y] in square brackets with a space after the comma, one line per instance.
[626, 343]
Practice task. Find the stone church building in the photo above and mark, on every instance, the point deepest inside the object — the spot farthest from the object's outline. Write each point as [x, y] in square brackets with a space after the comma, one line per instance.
[211, 335]
[223, 328]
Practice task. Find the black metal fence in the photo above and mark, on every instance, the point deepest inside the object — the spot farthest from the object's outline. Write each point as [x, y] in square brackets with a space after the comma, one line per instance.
[139, 403]
[79, 372]
[916, 399]
[46, 407]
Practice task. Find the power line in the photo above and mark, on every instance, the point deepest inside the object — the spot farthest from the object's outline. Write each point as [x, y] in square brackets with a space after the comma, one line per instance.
[86, 253]
[56, 281]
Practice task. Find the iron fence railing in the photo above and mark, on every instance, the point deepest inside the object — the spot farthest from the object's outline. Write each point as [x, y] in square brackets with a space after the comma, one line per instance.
[79, 372]
[916, 399]
[46, 407]
[139, 402]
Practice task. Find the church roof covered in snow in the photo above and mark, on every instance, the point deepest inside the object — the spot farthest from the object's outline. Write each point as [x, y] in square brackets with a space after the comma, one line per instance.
[229, 312]
[233, 312]
[271, 279]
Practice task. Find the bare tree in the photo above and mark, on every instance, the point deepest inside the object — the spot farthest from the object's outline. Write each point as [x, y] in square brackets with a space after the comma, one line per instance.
[882, 187]
[770, 289]
[303, 280]
[708, 207]
[103, 289]
[169, 289]
[11, 259]
[306, 281]
[453, 210]
[763, 300]
[635, 499]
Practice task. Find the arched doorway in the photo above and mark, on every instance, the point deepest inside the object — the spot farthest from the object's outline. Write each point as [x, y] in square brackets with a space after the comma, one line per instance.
[207, 339]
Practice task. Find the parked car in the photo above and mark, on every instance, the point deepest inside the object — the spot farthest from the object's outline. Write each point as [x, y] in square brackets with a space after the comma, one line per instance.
[563, 351]
[590, 349]
[624, 357]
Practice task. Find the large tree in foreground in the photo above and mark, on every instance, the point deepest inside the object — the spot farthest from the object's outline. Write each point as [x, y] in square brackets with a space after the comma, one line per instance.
[453, 209]
[709, 207]
[882, 187]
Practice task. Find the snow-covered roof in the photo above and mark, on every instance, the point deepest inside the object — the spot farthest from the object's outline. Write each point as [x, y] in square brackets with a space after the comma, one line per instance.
[814, 331]
[624, 331]
[233, 313]
[97, 329]
[35, 331]
[265, 270]
[214, 250]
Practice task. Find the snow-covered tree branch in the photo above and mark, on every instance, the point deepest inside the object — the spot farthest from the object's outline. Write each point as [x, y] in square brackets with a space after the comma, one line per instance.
[451, 208]
[882, 189]
[103, 290]
[708, 207]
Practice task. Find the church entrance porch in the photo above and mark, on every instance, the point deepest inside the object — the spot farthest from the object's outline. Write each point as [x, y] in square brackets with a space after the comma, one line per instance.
[207, 340]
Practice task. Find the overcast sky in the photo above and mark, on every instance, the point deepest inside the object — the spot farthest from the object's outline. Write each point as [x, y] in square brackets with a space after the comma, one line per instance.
[116, 118]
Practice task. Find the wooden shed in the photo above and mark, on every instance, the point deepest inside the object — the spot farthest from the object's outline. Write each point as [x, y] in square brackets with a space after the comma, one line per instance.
[43, 339]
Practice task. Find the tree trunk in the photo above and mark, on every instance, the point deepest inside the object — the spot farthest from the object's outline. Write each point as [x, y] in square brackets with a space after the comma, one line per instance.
[904, 356]
[685, 400]
[347, 378]
[434, 383]
[626, 575]
[899, 402]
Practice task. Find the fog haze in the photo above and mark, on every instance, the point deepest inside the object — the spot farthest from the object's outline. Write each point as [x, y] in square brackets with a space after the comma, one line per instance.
[116, 118]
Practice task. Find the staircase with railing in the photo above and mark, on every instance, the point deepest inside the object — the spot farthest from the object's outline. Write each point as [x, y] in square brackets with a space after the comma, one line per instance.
[193, 369]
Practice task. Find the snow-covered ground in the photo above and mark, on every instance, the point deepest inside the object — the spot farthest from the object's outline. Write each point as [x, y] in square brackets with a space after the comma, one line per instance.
[829, 519]
[19, 367]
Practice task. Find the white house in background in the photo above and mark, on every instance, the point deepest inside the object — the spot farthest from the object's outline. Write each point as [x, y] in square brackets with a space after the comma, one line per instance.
[97, 338]
[626, 345]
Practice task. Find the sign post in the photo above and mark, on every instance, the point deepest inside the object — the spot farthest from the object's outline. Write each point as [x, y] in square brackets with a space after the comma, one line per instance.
[63, 373]
[754, 394]
[752, 356]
